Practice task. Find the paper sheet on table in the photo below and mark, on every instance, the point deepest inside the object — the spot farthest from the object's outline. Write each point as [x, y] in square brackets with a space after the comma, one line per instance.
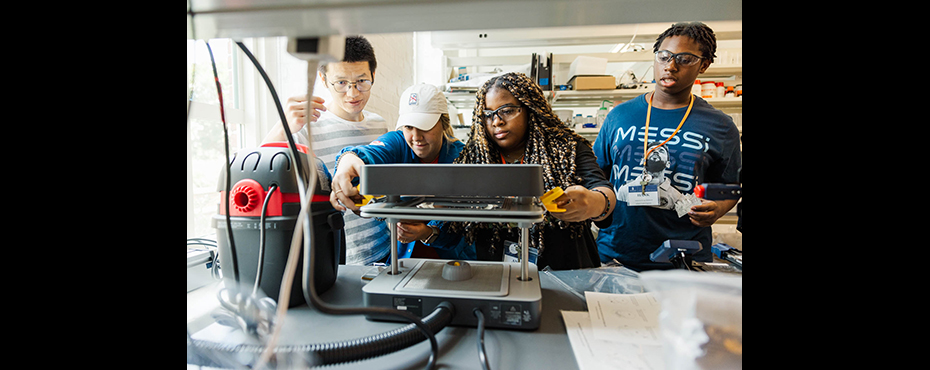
[626, 318]
[594, 354]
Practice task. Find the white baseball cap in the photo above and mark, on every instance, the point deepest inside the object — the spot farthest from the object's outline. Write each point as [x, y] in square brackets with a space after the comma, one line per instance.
[420, 107]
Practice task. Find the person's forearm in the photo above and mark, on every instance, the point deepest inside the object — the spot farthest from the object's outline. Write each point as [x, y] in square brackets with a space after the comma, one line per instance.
[724, 206]
[349, 163]
[610, 197]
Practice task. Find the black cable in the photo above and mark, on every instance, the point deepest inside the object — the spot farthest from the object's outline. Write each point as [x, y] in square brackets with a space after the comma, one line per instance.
[212, 247]
[261, 239]
[372, 346]
[229, 233]
[310, 293]
[301, 176]
[482, 355]
[345, 351]
[190, 93]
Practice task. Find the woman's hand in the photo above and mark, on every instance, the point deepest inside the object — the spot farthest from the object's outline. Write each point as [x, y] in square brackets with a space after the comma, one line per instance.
[344, 195]
[581, 204]
[412, 230]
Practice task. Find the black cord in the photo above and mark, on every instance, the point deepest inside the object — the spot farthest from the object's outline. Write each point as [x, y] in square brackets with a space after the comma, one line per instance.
[229, 234]
[310, 293]
[211, 244]
[301, 176]
[482, 355]
[261, 243]
[313, 298]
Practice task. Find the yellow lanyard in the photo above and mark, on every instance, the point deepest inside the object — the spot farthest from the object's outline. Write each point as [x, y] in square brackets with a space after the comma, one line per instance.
[646, 134]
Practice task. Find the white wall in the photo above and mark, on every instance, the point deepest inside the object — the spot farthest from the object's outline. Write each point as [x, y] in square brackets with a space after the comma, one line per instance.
[394, 73]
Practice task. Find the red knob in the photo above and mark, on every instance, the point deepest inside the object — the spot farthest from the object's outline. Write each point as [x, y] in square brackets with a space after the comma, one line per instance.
[699, 191]
[246, 195]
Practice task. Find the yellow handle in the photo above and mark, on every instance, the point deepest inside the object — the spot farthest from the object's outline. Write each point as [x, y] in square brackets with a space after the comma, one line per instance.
[367, 198]
[550, 196]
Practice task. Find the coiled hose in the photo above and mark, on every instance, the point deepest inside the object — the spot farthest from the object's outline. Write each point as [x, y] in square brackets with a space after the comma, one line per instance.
[345, 351]
[348, 350]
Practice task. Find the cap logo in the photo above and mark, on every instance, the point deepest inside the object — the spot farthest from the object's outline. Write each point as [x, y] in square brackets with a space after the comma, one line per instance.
[413, 99]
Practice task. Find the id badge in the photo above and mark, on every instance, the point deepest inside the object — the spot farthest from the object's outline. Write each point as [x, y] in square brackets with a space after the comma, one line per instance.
[636, 197]
[512, 253]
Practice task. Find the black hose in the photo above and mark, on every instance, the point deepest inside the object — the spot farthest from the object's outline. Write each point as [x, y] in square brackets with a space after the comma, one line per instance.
[357, 349]
[261, 240]
[301, 176]
[384, 343]
[348, 350]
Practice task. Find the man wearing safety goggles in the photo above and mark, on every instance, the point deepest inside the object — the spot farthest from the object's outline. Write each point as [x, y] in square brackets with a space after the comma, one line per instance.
[700, 143]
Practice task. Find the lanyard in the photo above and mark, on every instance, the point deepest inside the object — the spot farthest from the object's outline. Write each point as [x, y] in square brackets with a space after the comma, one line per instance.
[504, 161]
[648, 114]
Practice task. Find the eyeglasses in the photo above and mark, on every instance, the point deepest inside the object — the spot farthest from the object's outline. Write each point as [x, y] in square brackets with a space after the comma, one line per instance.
[506, 113]
[342, 86]
[685, 59]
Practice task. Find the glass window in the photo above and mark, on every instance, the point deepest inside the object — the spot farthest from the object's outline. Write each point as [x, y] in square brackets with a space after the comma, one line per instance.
[205, 137]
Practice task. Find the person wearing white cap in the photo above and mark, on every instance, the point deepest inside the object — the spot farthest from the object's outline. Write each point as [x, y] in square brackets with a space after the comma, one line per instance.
[423, 135]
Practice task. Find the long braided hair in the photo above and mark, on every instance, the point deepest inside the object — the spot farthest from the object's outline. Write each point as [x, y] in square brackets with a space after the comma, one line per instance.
[549, 143]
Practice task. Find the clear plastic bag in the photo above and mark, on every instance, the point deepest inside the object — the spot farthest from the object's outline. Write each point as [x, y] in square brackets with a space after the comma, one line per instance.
[604, 279]
[701, 319]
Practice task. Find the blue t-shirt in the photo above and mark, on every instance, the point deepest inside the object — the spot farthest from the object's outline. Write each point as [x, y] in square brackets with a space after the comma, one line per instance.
[392, 148]
[705, 150]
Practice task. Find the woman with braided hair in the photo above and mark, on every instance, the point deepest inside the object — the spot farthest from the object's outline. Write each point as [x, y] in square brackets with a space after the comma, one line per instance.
[513, 123]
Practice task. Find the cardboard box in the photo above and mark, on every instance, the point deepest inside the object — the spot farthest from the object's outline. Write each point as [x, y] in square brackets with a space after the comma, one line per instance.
[593, 82]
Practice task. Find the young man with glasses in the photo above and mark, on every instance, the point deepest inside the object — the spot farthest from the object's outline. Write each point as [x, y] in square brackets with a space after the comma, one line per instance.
[342, 121]
[339, 123]
[702, 145]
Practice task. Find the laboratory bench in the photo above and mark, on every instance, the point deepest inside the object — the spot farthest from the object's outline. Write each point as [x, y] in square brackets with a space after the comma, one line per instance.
[547, 347]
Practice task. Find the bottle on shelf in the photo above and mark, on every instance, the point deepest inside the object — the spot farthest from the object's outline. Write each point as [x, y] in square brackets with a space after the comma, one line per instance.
[708, 89]
[602, 113]
[731, 93]
[589, 122]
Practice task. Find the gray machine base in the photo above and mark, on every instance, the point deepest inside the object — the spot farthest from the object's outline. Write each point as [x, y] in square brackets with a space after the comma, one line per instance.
[493, 287]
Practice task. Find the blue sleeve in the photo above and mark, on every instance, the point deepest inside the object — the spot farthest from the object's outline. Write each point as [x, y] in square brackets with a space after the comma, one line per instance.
[451, 245]
[733, 158]
[388, 148]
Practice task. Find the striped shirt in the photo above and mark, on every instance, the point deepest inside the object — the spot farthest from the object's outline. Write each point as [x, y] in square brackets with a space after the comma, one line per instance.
[330, 135]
